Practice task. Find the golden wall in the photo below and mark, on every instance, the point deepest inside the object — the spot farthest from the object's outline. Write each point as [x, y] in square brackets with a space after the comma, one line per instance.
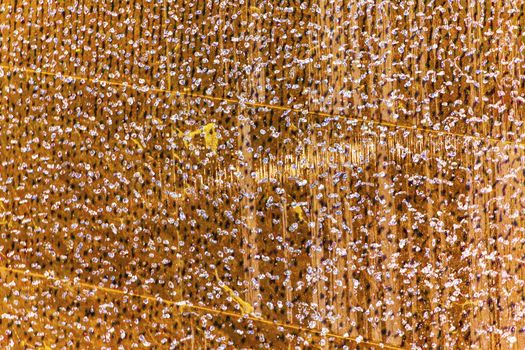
[213, 174]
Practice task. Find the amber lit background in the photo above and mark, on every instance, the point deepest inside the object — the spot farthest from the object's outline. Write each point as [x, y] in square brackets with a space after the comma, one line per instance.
[216, 174]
